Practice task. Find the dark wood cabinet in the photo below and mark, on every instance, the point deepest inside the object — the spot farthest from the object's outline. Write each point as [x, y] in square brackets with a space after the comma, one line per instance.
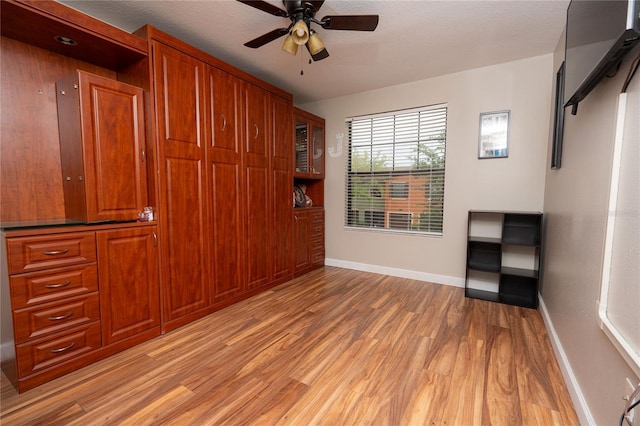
[308, 176]
[129, 287]
[207, 144]
[503, 257]
[181, 104]
[102, 148]
[224, 173]
[52, 306]
[309, 239]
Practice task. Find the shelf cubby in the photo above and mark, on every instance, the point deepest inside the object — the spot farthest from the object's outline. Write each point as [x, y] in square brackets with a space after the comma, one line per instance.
[503, 257]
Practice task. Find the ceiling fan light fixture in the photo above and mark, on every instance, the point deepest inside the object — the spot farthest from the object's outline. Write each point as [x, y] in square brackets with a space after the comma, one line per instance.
[315, 44]
[300, 32]
[290, 46]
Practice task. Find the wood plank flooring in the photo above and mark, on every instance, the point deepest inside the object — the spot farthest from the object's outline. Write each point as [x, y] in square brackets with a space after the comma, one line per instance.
[334, 347]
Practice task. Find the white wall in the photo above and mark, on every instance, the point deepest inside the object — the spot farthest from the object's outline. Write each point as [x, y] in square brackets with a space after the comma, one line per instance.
[513, 183]
[576, 211]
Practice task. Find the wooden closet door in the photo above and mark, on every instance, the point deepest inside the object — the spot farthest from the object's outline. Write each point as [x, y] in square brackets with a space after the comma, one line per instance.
[180, 94]
[281, 187]
[259, 224]
[225, 185]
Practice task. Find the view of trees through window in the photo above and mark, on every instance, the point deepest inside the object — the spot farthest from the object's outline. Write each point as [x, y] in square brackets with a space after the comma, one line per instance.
[395, 170]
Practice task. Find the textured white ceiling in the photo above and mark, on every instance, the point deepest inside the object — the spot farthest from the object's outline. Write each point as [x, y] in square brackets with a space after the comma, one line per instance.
[415, 39]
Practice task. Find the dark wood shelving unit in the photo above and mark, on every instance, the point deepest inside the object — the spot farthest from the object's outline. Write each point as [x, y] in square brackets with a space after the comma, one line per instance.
[503, 257]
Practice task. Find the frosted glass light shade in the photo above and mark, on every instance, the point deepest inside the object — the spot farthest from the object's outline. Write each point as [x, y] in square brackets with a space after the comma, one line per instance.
[300, 33]
[315, 44]
[290, 46]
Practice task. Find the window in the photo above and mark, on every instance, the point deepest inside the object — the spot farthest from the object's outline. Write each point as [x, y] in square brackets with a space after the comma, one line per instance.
[395, 170]
[400, 220]
[399, 190]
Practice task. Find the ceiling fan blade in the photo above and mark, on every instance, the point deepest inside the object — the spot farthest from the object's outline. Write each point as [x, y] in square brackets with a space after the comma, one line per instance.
[266, 38]
[350, 22]
[265, 7]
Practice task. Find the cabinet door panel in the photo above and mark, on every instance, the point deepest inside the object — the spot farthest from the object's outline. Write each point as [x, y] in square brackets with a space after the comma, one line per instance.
[282, 176]
[226, 238]
[225, 186]
[259, 227]
[257, 186]
[113, 128]
[180, 97]
[129, 291]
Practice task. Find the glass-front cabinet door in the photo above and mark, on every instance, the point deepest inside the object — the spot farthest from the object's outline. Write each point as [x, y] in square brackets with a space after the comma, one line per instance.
[302, 147]
[309, 145]
[317, 149]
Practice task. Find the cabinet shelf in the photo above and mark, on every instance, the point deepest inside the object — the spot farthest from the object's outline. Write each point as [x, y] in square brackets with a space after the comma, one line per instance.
[491, 240]
[519, 272]
[503, 257]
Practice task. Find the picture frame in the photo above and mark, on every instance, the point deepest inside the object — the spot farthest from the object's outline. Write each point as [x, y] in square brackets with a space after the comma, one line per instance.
[493, 139]
[558, 121]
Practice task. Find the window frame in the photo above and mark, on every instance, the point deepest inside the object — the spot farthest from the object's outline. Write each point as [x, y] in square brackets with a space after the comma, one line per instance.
[429, 165]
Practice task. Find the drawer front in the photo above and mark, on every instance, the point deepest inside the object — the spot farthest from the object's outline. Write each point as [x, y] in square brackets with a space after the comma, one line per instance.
[317, 230]
[52, 351]
[317, 257]
[28, 254]
[49, 318]
[40, 287]
[317, 217]
[317, 244]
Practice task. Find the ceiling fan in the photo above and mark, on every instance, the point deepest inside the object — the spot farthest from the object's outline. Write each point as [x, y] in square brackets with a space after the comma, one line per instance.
[299, 32]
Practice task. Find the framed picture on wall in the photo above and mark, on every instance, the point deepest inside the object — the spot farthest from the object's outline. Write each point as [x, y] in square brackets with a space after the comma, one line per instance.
[558, 121]
[493, 140]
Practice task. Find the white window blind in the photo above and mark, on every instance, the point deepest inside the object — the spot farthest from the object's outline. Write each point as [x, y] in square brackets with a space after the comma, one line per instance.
[395, 170]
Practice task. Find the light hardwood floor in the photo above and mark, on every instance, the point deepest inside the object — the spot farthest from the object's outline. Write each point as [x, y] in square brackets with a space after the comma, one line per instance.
[335, 347]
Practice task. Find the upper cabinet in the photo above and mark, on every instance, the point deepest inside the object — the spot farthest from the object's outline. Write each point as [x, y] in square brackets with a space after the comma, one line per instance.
[102, 147]
[309, 145]
[53, 26]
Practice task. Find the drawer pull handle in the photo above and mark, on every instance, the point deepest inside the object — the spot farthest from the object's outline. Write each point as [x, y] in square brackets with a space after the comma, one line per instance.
[61, 317]
[55, 252]
[66, 348]
[64, 284]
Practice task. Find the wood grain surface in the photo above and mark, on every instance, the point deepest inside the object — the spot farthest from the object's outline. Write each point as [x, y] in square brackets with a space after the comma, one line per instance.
[333, 347]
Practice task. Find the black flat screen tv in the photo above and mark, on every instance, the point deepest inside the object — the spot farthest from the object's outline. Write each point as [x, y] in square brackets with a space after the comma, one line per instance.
[598, 36]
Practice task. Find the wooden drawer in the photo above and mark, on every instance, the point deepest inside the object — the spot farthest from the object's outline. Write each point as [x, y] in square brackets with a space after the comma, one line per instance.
[42, 354]
[316, 244]
[317, 230]
[28, 254]
[47, 286]
[317, 217]
[317, 257]
[54, 317]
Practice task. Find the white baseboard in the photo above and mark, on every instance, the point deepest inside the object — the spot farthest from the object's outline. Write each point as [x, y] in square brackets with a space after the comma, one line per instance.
[579, 402]
[396, 272]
